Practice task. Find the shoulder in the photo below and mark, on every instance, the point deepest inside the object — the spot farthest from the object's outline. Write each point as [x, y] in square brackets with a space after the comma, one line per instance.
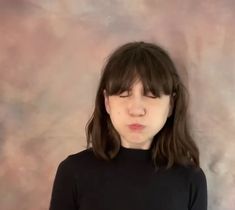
[82, 155]
[198, 181]
[191, 174]
[190, 171]
[74, 162]
[197, 188]
[79, 158]
[195, 178]
[196, 175]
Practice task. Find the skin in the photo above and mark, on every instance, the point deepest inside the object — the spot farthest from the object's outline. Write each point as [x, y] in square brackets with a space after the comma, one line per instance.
[125, 109]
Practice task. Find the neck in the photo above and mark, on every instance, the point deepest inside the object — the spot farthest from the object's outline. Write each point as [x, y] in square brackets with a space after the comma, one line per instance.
[145, 146]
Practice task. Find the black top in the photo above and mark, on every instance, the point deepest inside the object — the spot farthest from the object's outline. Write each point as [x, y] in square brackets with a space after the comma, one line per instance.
[128, 182]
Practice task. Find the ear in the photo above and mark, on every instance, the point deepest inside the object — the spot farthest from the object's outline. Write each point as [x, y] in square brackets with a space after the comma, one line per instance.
[106, 102]
[172, 103]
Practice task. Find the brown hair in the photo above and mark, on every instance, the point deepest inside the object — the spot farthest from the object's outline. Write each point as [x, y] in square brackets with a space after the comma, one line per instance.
[173, 144]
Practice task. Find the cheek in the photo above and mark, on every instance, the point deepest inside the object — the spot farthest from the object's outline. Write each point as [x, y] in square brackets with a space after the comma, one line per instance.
[116, 108]
[116, 113]
[159, 114]
[117, 120]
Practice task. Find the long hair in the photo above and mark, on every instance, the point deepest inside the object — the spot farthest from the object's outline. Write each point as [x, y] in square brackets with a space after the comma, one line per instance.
[173, 144]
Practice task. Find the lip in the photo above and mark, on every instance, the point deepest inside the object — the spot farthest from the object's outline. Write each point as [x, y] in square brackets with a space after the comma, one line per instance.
[136, 126]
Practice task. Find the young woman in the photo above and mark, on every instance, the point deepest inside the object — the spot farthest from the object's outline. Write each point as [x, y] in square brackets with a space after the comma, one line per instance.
[140, 154]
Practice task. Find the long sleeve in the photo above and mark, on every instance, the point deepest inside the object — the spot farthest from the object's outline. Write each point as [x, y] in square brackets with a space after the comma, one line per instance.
[84, 182]
[198, 191]
[64, 193]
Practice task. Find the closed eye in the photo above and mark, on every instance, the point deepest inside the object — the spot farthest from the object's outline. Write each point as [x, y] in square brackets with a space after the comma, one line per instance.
[123, 96]
[150, 95]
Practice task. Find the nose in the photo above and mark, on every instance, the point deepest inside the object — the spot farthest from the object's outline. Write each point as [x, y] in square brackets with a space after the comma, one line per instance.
[136, 107]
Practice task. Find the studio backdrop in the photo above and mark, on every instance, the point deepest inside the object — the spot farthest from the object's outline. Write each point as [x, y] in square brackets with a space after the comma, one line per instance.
[51, 56]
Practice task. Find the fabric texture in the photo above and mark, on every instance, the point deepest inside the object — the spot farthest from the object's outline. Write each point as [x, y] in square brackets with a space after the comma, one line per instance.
[128, 182]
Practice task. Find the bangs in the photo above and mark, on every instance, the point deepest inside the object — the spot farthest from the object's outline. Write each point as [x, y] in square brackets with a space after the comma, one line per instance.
[155, 74]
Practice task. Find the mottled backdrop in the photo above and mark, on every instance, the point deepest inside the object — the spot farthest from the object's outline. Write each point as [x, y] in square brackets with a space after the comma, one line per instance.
[51, 55]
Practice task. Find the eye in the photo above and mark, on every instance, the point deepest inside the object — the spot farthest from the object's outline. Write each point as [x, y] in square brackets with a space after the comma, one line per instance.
[151, 95]
[124, 94]
[148, 94]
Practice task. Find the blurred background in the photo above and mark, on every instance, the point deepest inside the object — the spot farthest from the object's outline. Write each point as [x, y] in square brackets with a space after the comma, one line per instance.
[51, 56]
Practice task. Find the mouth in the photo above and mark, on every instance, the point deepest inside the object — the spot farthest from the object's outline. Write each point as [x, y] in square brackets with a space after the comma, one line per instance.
[136, 127]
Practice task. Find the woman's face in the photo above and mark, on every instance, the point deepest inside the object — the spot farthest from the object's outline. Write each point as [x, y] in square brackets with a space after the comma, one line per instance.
[136, 108]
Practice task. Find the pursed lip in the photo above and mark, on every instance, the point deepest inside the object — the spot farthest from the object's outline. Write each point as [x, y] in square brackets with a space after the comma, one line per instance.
[136, 126]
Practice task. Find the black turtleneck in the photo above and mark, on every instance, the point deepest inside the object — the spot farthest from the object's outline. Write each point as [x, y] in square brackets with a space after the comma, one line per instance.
[128, 182]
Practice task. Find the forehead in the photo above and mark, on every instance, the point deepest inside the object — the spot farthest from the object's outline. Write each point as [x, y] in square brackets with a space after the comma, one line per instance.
[137, 84]
[147, 74]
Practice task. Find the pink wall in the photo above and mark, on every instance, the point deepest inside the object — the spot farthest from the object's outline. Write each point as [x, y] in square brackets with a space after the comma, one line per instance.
[51, 54]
